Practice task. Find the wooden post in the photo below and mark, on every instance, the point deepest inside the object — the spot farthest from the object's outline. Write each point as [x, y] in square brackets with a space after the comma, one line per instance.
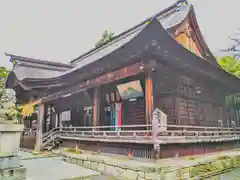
[56, 120]
[45, 113]
[21, 119]
[51, 118]
[96, 106]
[39, 135]
[148, 97]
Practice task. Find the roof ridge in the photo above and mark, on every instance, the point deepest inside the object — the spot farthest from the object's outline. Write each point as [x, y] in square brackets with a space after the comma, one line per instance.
[53, 68]
[162, 12]
[39, 61]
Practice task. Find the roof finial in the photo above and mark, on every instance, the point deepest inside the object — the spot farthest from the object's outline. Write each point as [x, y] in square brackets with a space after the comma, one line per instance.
[181, 2]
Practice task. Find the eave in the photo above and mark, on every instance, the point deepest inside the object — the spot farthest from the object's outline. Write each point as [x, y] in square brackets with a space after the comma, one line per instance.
[170, 17]
[37, 61]
[154, 40]
[180, 57]
[203, 45]
[130, 44]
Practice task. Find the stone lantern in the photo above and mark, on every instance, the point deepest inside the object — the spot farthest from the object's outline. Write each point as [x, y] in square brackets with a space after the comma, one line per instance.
[10, 135]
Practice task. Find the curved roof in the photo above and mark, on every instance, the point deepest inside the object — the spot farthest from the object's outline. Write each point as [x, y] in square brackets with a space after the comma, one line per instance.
[25, 67]
[169, 18]
[161, 44]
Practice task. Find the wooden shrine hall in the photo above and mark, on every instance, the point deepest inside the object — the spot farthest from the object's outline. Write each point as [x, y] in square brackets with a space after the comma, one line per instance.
[107, 95]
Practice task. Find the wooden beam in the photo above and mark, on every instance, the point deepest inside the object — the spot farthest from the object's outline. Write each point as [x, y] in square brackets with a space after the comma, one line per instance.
[103, 79]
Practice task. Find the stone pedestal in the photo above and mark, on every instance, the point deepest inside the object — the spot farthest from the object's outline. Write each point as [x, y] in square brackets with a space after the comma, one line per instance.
[10, 165]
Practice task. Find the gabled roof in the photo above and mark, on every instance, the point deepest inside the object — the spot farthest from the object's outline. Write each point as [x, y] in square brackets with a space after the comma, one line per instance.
[153, 38]
[170, 18]
[25, 67]
[132, 42]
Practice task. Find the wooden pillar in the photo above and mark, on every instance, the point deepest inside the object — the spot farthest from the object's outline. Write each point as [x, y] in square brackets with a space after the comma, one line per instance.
[148, 97]
[21, 119]
[96, 106]
[45, 114]
[56, 120]
[52, 118]
[39, 127]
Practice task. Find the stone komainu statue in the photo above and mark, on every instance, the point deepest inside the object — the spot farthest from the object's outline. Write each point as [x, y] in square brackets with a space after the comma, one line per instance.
[8, 110]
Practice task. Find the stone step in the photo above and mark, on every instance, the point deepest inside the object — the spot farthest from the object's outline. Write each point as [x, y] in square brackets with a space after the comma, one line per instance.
[14, 174]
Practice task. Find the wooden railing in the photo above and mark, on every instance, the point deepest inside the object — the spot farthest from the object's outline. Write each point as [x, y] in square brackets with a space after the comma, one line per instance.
[127, 133]
[145, 134]
[187, 134]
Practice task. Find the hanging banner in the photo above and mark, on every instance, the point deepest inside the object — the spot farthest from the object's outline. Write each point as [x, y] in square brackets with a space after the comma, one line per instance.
[29, 108]
[119, 115]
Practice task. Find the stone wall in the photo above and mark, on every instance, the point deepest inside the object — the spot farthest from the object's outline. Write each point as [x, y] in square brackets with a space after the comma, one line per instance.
[114, 169]
[206, 167]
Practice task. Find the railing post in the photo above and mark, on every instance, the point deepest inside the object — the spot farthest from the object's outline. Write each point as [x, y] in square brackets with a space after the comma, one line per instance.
[155, 129]
[234, 127]
[118, 132]
[93, 131]
[220, 122]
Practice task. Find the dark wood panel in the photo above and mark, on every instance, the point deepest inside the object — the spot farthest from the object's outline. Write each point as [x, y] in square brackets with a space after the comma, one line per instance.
[168, 106]
[134, 112]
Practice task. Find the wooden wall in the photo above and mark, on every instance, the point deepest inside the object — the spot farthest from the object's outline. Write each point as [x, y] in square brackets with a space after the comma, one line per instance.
[133, 111]
[200, 102]
[165, 83]
[186, 36]
[187, 100]
[187, 41]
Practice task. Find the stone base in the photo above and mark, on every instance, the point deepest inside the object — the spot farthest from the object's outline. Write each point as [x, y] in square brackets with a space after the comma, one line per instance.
[7, 162]
[13, 173]
[11, 169]
[10, 138]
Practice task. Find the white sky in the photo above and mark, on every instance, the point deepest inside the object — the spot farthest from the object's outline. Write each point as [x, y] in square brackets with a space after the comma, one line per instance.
[60, 30]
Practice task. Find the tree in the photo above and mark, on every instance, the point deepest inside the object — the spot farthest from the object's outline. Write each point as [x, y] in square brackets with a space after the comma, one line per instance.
[230, 64]
[107, 36]
[233, 100]
[3, 76]
[234, 48]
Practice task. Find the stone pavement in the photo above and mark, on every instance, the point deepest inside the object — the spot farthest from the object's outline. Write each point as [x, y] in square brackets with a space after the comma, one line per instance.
[53, 168]
[48, 166]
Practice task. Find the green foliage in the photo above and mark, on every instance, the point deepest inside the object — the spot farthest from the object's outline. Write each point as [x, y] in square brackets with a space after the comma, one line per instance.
[218, 166]
[233, 100]
[106, 37]
[230, 64]
[3, 76]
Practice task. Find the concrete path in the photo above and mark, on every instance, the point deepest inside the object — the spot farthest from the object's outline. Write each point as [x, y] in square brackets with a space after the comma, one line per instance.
[53, 168]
